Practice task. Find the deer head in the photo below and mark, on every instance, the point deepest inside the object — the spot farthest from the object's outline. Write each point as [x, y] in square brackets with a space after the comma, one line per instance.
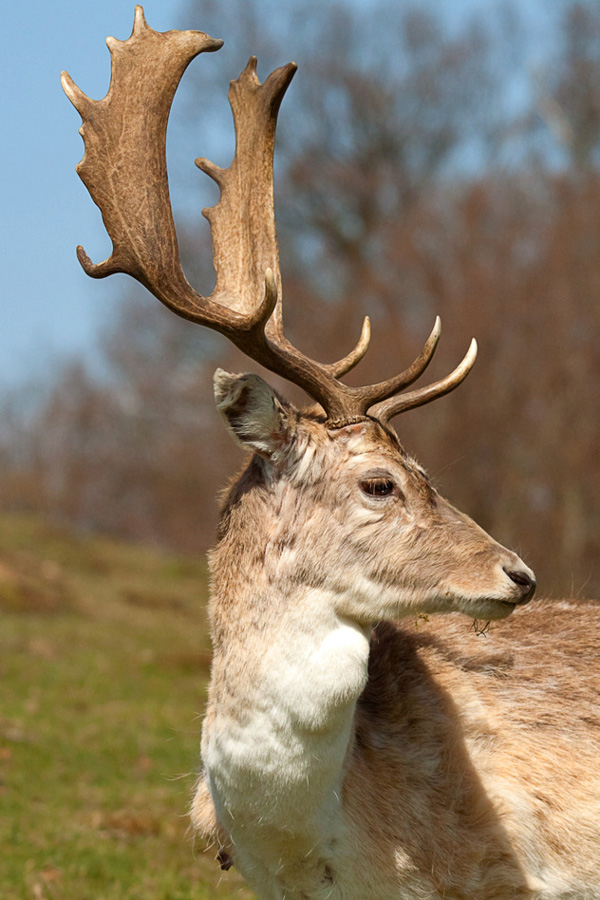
[392, 514]
[345, 510]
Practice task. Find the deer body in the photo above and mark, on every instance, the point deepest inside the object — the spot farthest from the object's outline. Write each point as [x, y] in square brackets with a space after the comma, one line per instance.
[358, 760]
[346, 757]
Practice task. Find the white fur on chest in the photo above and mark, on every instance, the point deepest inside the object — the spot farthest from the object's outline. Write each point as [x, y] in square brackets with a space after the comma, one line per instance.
[276, 744]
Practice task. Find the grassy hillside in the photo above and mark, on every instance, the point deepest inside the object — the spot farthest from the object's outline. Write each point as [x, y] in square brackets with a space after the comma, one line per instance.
[104, 660]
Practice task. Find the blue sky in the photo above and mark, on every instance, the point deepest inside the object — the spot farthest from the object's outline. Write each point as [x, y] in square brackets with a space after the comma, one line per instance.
[48, 306]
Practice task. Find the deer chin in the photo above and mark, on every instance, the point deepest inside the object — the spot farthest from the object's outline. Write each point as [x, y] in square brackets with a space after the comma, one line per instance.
[487, 607]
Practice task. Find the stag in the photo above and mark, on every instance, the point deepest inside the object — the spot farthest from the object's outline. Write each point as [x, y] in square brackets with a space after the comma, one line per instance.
[346, 752]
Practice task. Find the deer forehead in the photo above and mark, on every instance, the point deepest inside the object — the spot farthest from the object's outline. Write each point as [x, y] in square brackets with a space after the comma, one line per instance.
[334, 455]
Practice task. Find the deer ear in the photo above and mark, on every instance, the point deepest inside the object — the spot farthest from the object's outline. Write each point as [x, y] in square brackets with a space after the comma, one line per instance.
[253, 413]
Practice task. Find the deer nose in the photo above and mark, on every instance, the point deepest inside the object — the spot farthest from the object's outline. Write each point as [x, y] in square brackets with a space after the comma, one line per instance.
[524, 580]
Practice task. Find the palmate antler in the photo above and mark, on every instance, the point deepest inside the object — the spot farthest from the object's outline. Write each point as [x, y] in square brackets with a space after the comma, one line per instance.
[124, 169]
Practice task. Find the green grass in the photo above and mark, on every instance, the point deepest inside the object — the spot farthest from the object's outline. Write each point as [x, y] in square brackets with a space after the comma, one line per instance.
[104, 659]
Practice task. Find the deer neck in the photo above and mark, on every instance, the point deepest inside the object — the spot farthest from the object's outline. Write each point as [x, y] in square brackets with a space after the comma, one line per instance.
[287, 673]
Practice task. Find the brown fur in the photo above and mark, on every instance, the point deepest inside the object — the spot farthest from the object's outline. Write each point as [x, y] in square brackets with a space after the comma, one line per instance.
[444, 709]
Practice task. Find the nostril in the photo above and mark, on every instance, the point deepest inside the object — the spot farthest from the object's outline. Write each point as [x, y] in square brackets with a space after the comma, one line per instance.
[523, 580]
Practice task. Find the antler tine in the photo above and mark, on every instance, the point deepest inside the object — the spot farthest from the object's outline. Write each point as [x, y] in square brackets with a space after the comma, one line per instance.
[395, 405]
[373, 393]
[344, 365]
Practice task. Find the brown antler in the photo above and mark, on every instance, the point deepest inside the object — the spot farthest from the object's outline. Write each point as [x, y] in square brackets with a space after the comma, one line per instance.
[124, 169]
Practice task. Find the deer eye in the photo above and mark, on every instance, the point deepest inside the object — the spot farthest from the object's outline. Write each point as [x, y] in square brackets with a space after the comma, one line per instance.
[377, 487]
